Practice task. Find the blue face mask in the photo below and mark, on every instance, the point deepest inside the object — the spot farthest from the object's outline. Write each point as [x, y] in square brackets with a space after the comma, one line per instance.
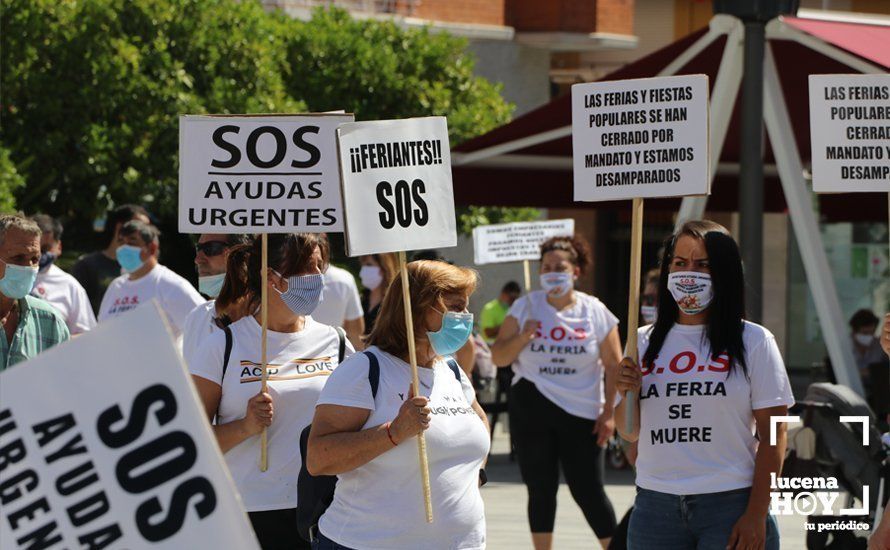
[456, 329]
[46, 260]
[303, 292]
[211, 285]
[129, 257]
[18, 281]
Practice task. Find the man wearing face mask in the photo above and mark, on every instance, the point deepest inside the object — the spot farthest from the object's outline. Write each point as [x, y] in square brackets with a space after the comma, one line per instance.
[866, 347]
[56, 286]
[211, 255]
[145, 279]
[30, 325]
[340, 304]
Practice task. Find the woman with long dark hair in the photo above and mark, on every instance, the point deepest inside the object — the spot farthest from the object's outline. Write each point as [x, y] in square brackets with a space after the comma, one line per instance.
[708, 385]
[564, 348]
[301, 354]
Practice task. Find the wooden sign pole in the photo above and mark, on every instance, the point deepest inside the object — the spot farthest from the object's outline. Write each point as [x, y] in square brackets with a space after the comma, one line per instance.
[633, 307]
[264, 317]
[412, 355]
[528, 276]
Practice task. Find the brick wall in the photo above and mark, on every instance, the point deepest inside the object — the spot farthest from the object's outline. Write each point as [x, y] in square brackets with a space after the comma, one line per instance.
[487, 12]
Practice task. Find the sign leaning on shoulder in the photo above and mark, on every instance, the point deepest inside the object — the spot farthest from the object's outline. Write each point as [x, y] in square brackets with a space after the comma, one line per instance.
[397, 190]
[641, 138]
[259, 174]
[103, 445]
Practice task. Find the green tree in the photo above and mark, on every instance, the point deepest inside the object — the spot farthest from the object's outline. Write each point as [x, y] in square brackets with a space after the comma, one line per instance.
[475, 216]
[379, 70]
[10, 180]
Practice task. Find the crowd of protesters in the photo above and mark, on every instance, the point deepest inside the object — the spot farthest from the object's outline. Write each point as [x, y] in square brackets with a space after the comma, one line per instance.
[329, 410]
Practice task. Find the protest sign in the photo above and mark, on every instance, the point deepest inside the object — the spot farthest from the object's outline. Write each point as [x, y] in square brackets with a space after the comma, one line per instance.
[103, 444]
[259, 174]
[397, 196]
[518, 241]
[633, 139]
[397, 192]
[850, 132]
[640, 138]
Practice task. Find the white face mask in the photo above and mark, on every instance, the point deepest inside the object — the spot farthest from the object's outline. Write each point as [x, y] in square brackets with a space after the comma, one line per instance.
[371, 276]
[649, 313]
[557, 284]
[864, 339]
[691, 290]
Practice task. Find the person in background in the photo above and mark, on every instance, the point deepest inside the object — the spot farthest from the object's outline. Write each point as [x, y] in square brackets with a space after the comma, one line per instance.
[564, 348]
[368, 442]
[377, 271]
[880, 538]
[30, 325]
[211, 255]
[705, 460]
[55, 286]
[341, 305]
[649, 298]
[494, 312]
[96, 270]
[866, 346]
[145, 279]
[302, 353]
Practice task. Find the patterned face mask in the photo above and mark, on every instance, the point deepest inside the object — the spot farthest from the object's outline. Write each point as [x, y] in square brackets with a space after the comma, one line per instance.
[691, 290]
[303, 292]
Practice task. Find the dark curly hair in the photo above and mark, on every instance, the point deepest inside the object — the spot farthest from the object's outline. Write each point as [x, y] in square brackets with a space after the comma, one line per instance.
[576, 246]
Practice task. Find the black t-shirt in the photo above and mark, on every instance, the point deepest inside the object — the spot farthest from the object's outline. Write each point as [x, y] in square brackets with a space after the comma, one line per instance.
[95, 272]
[370, 313]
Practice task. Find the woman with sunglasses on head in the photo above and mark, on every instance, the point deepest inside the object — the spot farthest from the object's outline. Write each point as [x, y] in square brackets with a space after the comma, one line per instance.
[367, 438]
[709, 383]
[561, 342]
[301, 354]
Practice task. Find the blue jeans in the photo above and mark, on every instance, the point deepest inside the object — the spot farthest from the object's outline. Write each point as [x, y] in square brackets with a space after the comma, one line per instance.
[662, 521]
[321, 542]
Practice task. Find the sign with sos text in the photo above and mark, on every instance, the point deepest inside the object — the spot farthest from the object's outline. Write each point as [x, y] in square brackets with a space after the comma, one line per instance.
[396, 183]
[259, 174]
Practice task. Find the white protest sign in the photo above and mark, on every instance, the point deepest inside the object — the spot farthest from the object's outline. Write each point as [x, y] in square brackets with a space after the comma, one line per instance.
[515, 242]
[103, 444]
[850, 132]
[640, 138]
[397, 191]
[259, 174]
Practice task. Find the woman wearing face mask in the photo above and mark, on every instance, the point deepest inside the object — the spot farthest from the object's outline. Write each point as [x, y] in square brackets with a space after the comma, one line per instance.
[301, 353]
[558, 340]
[376, 272]
[369, 442]
[709, 384]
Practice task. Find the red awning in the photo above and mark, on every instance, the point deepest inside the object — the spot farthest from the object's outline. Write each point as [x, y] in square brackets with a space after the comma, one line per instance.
[509, 182]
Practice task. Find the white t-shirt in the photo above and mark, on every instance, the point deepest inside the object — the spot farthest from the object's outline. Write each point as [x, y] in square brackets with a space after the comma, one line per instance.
[563, 361]
[697, 425]
[299, 365]
[66, 295]
[198, 326]
[175, 295]
[340, 300]
[379, 506]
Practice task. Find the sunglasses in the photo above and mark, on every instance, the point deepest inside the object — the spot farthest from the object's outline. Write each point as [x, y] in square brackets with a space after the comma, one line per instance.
[211, 248]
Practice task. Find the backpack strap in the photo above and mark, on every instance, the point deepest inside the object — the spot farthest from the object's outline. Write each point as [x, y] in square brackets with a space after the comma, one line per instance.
[228, 353]
[341, 350]
[454, 367]
[373, 372]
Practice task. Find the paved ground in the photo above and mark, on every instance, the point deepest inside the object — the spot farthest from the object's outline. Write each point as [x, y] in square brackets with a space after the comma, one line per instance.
[505, 502]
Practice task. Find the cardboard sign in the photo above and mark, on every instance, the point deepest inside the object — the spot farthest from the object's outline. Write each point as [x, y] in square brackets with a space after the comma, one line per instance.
[850, 132]
[515, 242]
[397, 192]
[259, 174]
[103, 444]
[640, 138]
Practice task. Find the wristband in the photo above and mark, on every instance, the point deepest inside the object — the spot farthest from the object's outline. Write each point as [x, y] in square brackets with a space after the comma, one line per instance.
[389, 435]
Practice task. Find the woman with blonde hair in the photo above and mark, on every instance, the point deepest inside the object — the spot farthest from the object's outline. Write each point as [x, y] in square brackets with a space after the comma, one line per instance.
[366, 437]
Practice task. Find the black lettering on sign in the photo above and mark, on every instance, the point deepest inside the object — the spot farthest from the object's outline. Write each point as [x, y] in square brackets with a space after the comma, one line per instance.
[158, 396]
[165, 528]
[298, 138]
[404, 204]
[280, 147]
[177, 442]
[219, 141]
[314, 153]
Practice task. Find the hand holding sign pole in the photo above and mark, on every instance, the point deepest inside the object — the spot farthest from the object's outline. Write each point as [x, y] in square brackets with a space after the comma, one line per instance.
[260, 174]
[397, 196]
[633, 139]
